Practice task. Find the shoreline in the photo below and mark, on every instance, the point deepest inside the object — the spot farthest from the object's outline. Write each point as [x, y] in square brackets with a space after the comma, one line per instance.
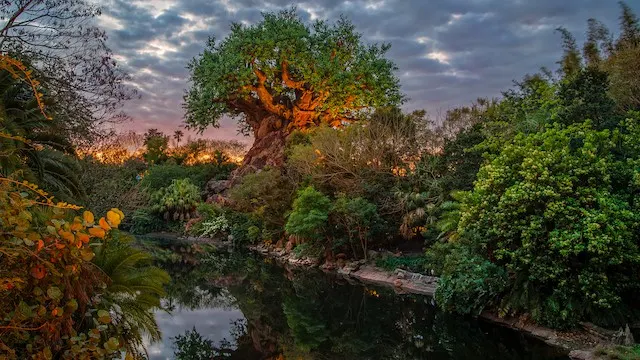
[579, 344]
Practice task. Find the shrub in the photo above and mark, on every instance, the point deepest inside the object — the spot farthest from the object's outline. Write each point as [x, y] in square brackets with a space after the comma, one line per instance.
[177, 201]
[410, 263]
[469, 283]
[267, 197]
[309, 215]
[160, 176]
[145, 221]
[556, 210]
[214, 226]
[356, 217]
[113, 185]
[50, 288]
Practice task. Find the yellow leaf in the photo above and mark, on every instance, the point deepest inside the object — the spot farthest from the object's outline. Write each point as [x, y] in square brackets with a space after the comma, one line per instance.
[88, 217]
[113, 218]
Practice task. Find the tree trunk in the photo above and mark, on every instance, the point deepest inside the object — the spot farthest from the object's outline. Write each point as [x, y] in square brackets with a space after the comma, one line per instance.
[267, 149]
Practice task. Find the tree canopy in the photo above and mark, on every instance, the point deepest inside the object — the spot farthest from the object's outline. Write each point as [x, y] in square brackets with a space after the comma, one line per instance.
[303, 75]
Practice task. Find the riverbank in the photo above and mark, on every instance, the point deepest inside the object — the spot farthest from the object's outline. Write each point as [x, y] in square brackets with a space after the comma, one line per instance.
[580, 344]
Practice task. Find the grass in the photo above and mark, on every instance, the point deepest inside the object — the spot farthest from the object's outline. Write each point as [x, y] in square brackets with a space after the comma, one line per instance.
[410, 263]
[619, 352]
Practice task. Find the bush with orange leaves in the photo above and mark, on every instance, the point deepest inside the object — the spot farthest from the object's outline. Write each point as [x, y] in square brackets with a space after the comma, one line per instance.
[49, 289]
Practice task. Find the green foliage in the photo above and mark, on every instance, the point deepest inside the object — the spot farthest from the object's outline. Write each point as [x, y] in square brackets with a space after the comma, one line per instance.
[193, 346]
[547, 210]
[34, 148]
[266, 196]
[160, 176]
[585, 97]
[144, 221]
[357, 217]
[177, 201]
[410, 263]
[111, 185]
[469, 283]
[156, 144]
[619, 352]
[263, 66]
[309, 215]
[134, 290]
[214, 226]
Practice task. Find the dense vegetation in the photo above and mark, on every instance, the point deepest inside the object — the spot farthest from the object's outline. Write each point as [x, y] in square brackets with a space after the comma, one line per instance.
[526, 205]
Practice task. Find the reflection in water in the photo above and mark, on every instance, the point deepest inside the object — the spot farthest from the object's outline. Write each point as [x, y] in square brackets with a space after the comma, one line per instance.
[244, 307]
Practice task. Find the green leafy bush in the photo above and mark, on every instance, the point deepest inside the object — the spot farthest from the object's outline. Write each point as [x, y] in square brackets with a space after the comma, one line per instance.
[309, 216]
[160, 176]
[177, 201]
[556, 210]
[410, 263]
[113, 185]
[214, 226]
[144, 221]
[357, 218]
[469, 284]
[266, 197]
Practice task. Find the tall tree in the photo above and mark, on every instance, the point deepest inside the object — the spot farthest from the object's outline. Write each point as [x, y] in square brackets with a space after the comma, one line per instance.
[282, 74]
[571, 62]
[71, 59]
[178, 135]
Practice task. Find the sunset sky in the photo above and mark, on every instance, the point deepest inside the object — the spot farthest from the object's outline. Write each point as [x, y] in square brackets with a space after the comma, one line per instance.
[449, 52]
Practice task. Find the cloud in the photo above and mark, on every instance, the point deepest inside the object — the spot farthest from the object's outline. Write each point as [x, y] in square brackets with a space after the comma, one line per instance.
[449, 52]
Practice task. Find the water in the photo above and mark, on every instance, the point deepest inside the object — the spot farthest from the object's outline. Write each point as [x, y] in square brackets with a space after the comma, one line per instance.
[246, 307]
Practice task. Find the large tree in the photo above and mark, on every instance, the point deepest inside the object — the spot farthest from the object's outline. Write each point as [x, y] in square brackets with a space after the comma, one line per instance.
[282, 74]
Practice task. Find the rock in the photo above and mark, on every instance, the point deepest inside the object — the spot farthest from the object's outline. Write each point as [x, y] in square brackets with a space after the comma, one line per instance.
[372, 254]
[289, 246]
[581, 355]
[397, 283]
[328, 265]
[280, 244]
[214, 187]
[400, 274]
[341, 256]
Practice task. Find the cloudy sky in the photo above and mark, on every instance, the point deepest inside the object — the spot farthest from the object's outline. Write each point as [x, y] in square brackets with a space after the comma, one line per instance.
[449, 52]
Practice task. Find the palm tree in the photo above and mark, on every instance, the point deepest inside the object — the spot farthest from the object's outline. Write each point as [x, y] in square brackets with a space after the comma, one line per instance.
[32, 148]
[177, 135]
[134, 291]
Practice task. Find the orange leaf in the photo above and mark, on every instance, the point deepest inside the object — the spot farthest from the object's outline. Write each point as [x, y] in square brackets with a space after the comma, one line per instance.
[40, 245]
[67, 236]
[82, 237]
[97, 232]
[38, 271]
[103, 224]
[76, 227]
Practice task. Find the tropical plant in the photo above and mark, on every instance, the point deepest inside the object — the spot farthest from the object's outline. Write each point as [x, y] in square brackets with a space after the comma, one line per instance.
[133, 291]
[33, 144]
[50, 287]
[177, 201]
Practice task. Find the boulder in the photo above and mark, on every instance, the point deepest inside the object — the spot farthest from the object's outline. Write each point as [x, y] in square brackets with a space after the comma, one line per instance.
[216, 186]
